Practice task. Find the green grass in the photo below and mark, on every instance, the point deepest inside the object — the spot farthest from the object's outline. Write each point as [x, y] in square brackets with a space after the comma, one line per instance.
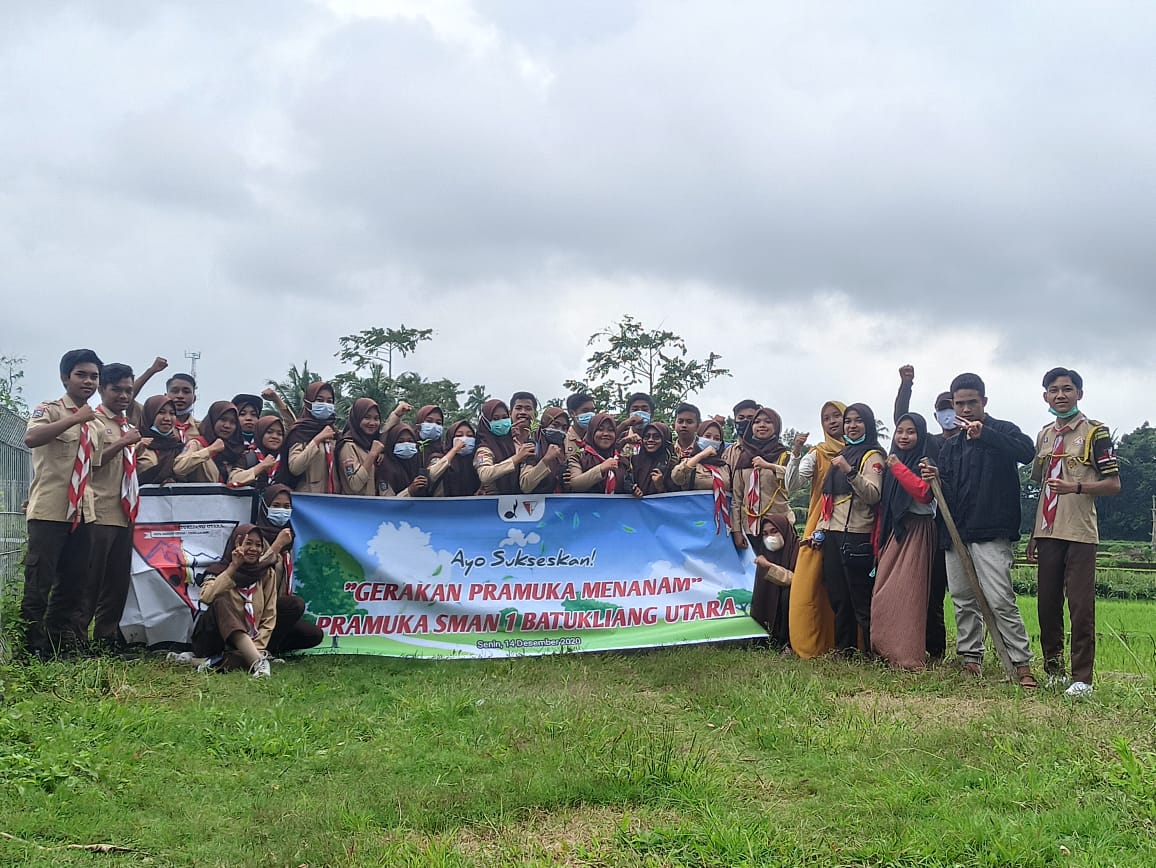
[695, 756]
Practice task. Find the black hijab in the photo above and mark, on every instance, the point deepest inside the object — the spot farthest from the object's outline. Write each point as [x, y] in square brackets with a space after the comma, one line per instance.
[837, 483]
[644, 463]
[895, 500]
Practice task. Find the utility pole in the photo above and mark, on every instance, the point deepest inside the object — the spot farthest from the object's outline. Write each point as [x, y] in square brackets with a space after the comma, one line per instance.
[193, 355]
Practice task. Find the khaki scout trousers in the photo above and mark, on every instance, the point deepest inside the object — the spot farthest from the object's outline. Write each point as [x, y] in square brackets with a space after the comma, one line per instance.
[993, 561]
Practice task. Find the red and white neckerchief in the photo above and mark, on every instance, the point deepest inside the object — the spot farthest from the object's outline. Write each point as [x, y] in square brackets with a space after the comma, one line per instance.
[1055, 468]
[250, 615]
[610, 480]
[287, 568]
[754, 492]
[129, 484]
[330, 482]
[182, 428]
[685, 453]
[722, 513]
[81, 470]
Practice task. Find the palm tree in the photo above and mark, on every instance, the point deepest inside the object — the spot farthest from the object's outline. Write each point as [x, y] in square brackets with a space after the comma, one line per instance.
[292, 388]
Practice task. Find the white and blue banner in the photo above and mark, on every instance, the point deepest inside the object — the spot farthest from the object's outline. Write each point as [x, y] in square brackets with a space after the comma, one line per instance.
[516, 575]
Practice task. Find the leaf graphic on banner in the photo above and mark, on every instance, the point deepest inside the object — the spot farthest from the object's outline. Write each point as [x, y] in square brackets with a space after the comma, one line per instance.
[628, 528]
[596, 514]
[507, 578]
[560, 516]
[575, 523]
[542, 548]
[438, 571]
[700, 524]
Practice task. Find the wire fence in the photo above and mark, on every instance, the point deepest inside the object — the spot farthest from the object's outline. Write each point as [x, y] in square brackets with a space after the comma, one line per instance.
[15, 477]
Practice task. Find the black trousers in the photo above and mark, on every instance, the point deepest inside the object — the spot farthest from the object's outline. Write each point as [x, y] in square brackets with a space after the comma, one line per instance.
[109, 577]
[936, 627]
[55, 572]
[849, 590]
[291, 633]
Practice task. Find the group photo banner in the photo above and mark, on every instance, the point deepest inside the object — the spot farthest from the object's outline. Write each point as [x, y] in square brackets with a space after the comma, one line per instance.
[518, 574]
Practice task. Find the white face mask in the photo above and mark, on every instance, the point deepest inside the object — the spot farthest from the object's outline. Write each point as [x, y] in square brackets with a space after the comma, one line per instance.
[773, 543]
[946, 419]
[320, 410]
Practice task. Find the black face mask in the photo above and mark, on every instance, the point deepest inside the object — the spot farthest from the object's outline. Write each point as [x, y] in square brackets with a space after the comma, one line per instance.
[742, 427]
[555, 437]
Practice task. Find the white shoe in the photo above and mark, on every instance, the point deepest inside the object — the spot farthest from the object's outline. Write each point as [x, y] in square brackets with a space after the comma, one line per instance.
[209, 664]
[1079, 688]
[1056, 681]
[182, 657]
[260, 669]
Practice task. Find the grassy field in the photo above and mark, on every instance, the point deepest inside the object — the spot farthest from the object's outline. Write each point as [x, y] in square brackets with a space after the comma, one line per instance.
[696, 756]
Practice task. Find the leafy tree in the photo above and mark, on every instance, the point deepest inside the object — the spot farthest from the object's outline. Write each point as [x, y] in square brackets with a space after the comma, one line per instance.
[11, 391]
[292, 388]
[1128, 515]
[378, 346]
[741, 597]
[321, 570]
[638, 359]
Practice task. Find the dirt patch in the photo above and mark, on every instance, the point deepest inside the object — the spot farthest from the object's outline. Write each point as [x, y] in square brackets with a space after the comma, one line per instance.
[569, 836]
[940, 710]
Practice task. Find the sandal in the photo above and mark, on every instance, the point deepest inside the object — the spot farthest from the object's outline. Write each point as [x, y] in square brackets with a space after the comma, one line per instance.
[1025, 679]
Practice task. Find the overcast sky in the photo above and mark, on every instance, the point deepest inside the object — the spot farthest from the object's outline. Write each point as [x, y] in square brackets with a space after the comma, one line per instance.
[817, 191]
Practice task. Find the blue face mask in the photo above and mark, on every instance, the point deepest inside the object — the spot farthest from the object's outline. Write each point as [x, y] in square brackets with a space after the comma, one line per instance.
[430, 431]
[851, 442]
[1067, 415]
[279, 516]
[405, 450]
[644, 415]
[501, 427]
[160, 433]
[468, 449]
[704, 442]
[320, 410]
[584, 420]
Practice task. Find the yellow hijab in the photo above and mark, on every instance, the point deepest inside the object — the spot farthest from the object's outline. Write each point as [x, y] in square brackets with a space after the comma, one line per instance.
[831, 446]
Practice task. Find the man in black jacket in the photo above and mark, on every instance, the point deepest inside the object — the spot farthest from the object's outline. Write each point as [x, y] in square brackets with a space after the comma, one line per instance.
[980, 477]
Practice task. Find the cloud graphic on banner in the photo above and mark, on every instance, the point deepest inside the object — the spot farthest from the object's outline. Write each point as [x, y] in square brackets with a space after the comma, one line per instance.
[405, 555]
[516, 538]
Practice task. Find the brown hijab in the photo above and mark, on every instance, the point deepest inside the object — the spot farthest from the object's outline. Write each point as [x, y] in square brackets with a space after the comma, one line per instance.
[428, 450]
[716, 459]
[301, 431]
[396, 472]
[460, 478]
[234, 446]
[502, 447]
[246, 574]
[352, 430]
[770, 449]
[166, 448]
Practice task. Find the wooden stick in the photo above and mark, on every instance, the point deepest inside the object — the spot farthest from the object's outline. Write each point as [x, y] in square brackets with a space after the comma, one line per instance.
[964, 555]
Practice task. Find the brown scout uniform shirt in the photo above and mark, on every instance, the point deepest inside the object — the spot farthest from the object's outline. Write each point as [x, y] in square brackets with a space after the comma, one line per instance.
[52, 465]
[106, 479]
[1082, 462]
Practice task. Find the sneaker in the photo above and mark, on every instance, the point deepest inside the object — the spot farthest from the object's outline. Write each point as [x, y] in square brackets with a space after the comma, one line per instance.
[1079, 688]
[1056, 679]
[260, 669]
[182, 657]
[210, 664]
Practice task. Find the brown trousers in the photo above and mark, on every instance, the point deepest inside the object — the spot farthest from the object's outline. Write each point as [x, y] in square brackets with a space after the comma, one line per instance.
[109, 578]
[1067, 567]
